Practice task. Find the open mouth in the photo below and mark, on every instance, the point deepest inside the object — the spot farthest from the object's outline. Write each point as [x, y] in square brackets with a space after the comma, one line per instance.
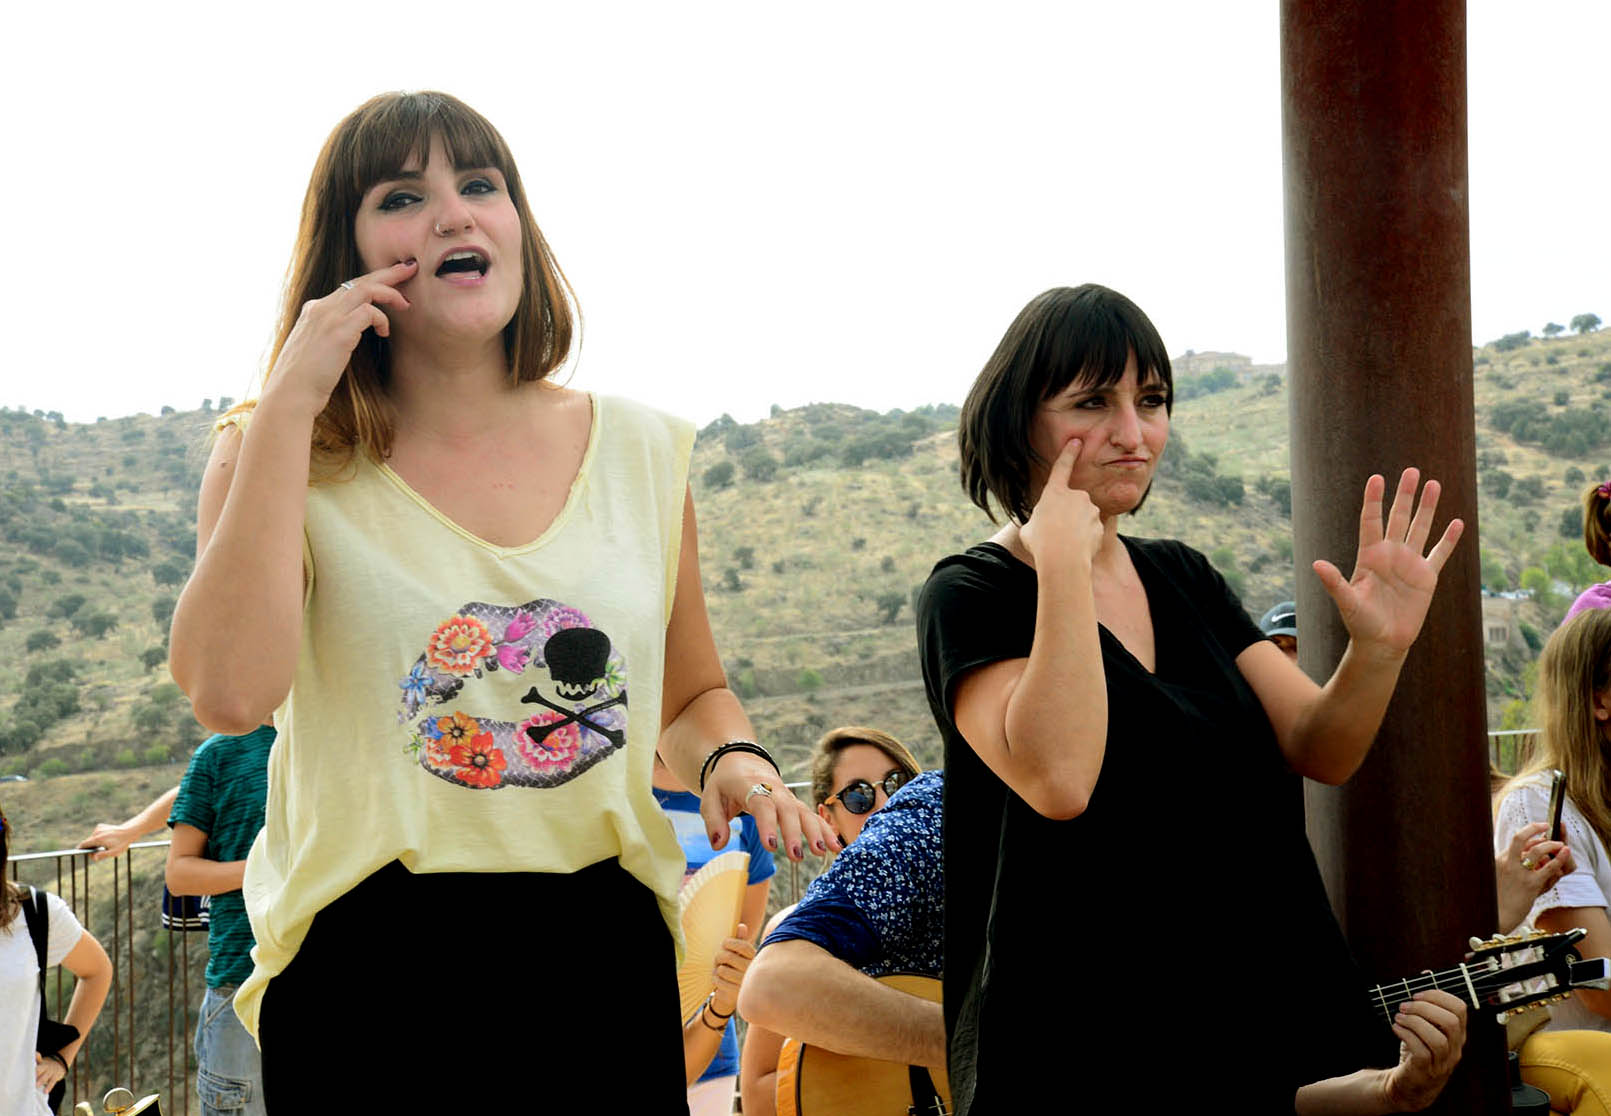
[463, 263]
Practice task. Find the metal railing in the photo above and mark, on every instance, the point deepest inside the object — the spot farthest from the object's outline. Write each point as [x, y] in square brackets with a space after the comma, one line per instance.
[120, 1048]
[111, 1055]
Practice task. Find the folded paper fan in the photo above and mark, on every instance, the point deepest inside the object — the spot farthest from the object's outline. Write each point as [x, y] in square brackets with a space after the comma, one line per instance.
[709, 905]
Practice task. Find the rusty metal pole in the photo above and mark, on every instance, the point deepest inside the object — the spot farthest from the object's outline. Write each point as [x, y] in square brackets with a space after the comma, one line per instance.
[1379, 348]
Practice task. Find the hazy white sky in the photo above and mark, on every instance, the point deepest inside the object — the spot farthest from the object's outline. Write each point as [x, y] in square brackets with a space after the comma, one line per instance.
[757, 203]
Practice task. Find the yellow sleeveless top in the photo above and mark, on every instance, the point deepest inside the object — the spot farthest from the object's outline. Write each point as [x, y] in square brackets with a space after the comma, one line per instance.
[466, 707]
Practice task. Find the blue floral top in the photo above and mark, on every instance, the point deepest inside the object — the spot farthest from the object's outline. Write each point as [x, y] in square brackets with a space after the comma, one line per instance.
[880, 907]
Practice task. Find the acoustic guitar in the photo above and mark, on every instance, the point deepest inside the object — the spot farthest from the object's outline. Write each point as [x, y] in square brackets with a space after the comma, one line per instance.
[817, 1082]
[1502, 976]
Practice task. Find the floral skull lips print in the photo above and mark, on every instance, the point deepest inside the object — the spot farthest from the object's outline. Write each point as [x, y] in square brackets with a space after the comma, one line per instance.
[554, 685]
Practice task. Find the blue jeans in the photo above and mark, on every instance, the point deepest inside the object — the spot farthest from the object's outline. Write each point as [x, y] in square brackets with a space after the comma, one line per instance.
[229, 1071]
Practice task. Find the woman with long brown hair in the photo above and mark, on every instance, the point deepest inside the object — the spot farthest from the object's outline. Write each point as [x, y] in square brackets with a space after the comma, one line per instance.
[1573, 700]
[470, 600]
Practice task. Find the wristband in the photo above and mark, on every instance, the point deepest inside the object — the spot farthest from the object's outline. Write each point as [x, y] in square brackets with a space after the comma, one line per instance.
[749, 746]
[710, 1006]
[59, 1060]
[720, 1028]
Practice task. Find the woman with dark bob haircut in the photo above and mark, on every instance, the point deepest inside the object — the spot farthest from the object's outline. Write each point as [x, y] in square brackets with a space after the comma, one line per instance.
[1123, 751]
[469, 599]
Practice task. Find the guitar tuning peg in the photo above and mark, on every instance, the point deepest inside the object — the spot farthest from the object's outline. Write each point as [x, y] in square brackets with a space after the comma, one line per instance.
[1476, 942]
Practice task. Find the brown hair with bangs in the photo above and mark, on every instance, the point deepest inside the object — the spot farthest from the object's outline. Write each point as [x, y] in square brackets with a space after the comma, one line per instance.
[1084, 333]
[1573, 669]
[825, 756]
[371, 145]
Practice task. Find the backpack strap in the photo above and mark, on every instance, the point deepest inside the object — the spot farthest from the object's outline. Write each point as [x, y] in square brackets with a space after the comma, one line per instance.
[37, 916]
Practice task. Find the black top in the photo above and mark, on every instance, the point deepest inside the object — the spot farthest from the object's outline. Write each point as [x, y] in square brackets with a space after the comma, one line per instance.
[1178, 923]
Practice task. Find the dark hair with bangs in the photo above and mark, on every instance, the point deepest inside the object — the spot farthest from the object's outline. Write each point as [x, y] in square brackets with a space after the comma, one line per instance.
[1084, 333]
[371, 145]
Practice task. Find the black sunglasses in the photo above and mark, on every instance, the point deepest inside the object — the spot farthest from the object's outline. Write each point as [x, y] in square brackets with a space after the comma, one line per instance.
[858, 797]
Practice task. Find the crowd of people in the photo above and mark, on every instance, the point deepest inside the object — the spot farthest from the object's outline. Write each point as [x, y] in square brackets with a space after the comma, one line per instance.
[473, 731]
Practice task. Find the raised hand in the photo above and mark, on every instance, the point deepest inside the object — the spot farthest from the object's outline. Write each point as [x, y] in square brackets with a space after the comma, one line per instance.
[1065, 523]
[328, 329]
[1385, 601]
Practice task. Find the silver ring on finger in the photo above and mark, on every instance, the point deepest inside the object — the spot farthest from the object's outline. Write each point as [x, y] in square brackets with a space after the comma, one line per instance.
[758, 788]
[348, 285]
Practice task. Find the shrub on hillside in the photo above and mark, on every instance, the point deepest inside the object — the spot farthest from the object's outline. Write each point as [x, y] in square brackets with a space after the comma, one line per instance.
[93, 623]
[719, 475]
[759, 464]
[42, 640]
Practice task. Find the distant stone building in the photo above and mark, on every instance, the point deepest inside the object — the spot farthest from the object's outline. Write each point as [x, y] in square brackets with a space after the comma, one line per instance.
[1500, 626]
[1195, 363]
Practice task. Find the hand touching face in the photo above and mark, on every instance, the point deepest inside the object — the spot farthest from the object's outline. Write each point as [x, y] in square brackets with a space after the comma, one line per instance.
[1121, 428]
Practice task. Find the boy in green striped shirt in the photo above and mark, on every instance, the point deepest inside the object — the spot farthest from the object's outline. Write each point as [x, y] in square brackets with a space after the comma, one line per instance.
[215, 819]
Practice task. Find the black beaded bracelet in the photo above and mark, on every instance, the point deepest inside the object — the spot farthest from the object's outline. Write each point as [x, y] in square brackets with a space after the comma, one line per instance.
[722, 1029]
[735, 746]
[710, 1002]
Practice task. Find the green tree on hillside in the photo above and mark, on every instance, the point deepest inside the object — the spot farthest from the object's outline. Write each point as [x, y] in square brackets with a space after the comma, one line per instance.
[759, 464]
[719, 475]
[1552, 328]
[1586, 323]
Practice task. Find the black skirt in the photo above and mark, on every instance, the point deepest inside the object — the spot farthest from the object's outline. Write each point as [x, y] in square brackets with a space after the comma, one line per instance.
[512, 992]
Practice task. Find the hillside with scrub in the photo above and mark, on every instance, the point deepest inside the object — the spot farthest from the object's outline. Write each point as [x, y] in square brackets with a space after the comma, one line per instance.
[817, 526]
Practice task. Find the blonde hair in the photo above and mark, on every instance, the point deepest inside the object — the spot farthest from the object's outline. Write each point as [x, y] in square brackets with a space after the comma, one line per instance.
[1597, 522]
[825, 756]
[373, 144]
[1574, 668]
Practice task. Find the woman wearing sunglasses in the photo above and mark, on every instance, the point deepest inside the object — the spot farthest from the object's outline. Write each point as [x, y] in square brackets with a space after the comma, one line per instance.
[854, 771]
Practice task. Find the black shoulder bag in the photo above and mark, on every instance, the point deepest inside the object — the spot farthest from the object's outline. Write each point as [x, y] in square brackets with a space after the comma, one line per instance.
[53, 1036]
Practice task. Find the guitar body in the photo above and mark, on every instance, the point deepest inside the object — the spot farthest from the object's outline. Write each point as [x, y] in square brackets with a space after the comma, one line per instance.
[817, 1082]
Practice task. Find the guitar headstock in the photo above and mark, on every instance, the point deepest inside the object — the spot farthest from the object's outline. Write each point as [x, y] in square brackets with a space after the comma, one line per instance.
[1504, 974]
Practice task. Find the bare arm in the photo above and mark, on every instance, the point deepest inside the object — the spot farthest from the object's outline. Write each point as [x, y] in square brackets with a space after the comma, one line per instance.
[702, 1035]
[758, 1060]
[249, 523]
[799, 989]
[1432, 1032]
[1041, 723]
[88, 963]
[753, 912]
[699, 713]
[238, 622]
[1557, 920]
[191, 873]
[114, 840]
[1326, 732]
[758, 1070]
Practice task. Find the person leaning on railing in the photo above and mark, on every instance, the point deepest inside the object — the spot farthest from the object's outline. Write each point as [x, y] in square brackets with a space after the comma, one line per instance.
[27, 1077]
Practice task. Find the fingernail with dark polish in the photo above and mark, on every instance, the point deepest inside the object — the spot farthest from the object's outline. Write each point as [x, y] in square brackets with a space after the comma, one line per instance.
[772, 842]
[794, 850]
